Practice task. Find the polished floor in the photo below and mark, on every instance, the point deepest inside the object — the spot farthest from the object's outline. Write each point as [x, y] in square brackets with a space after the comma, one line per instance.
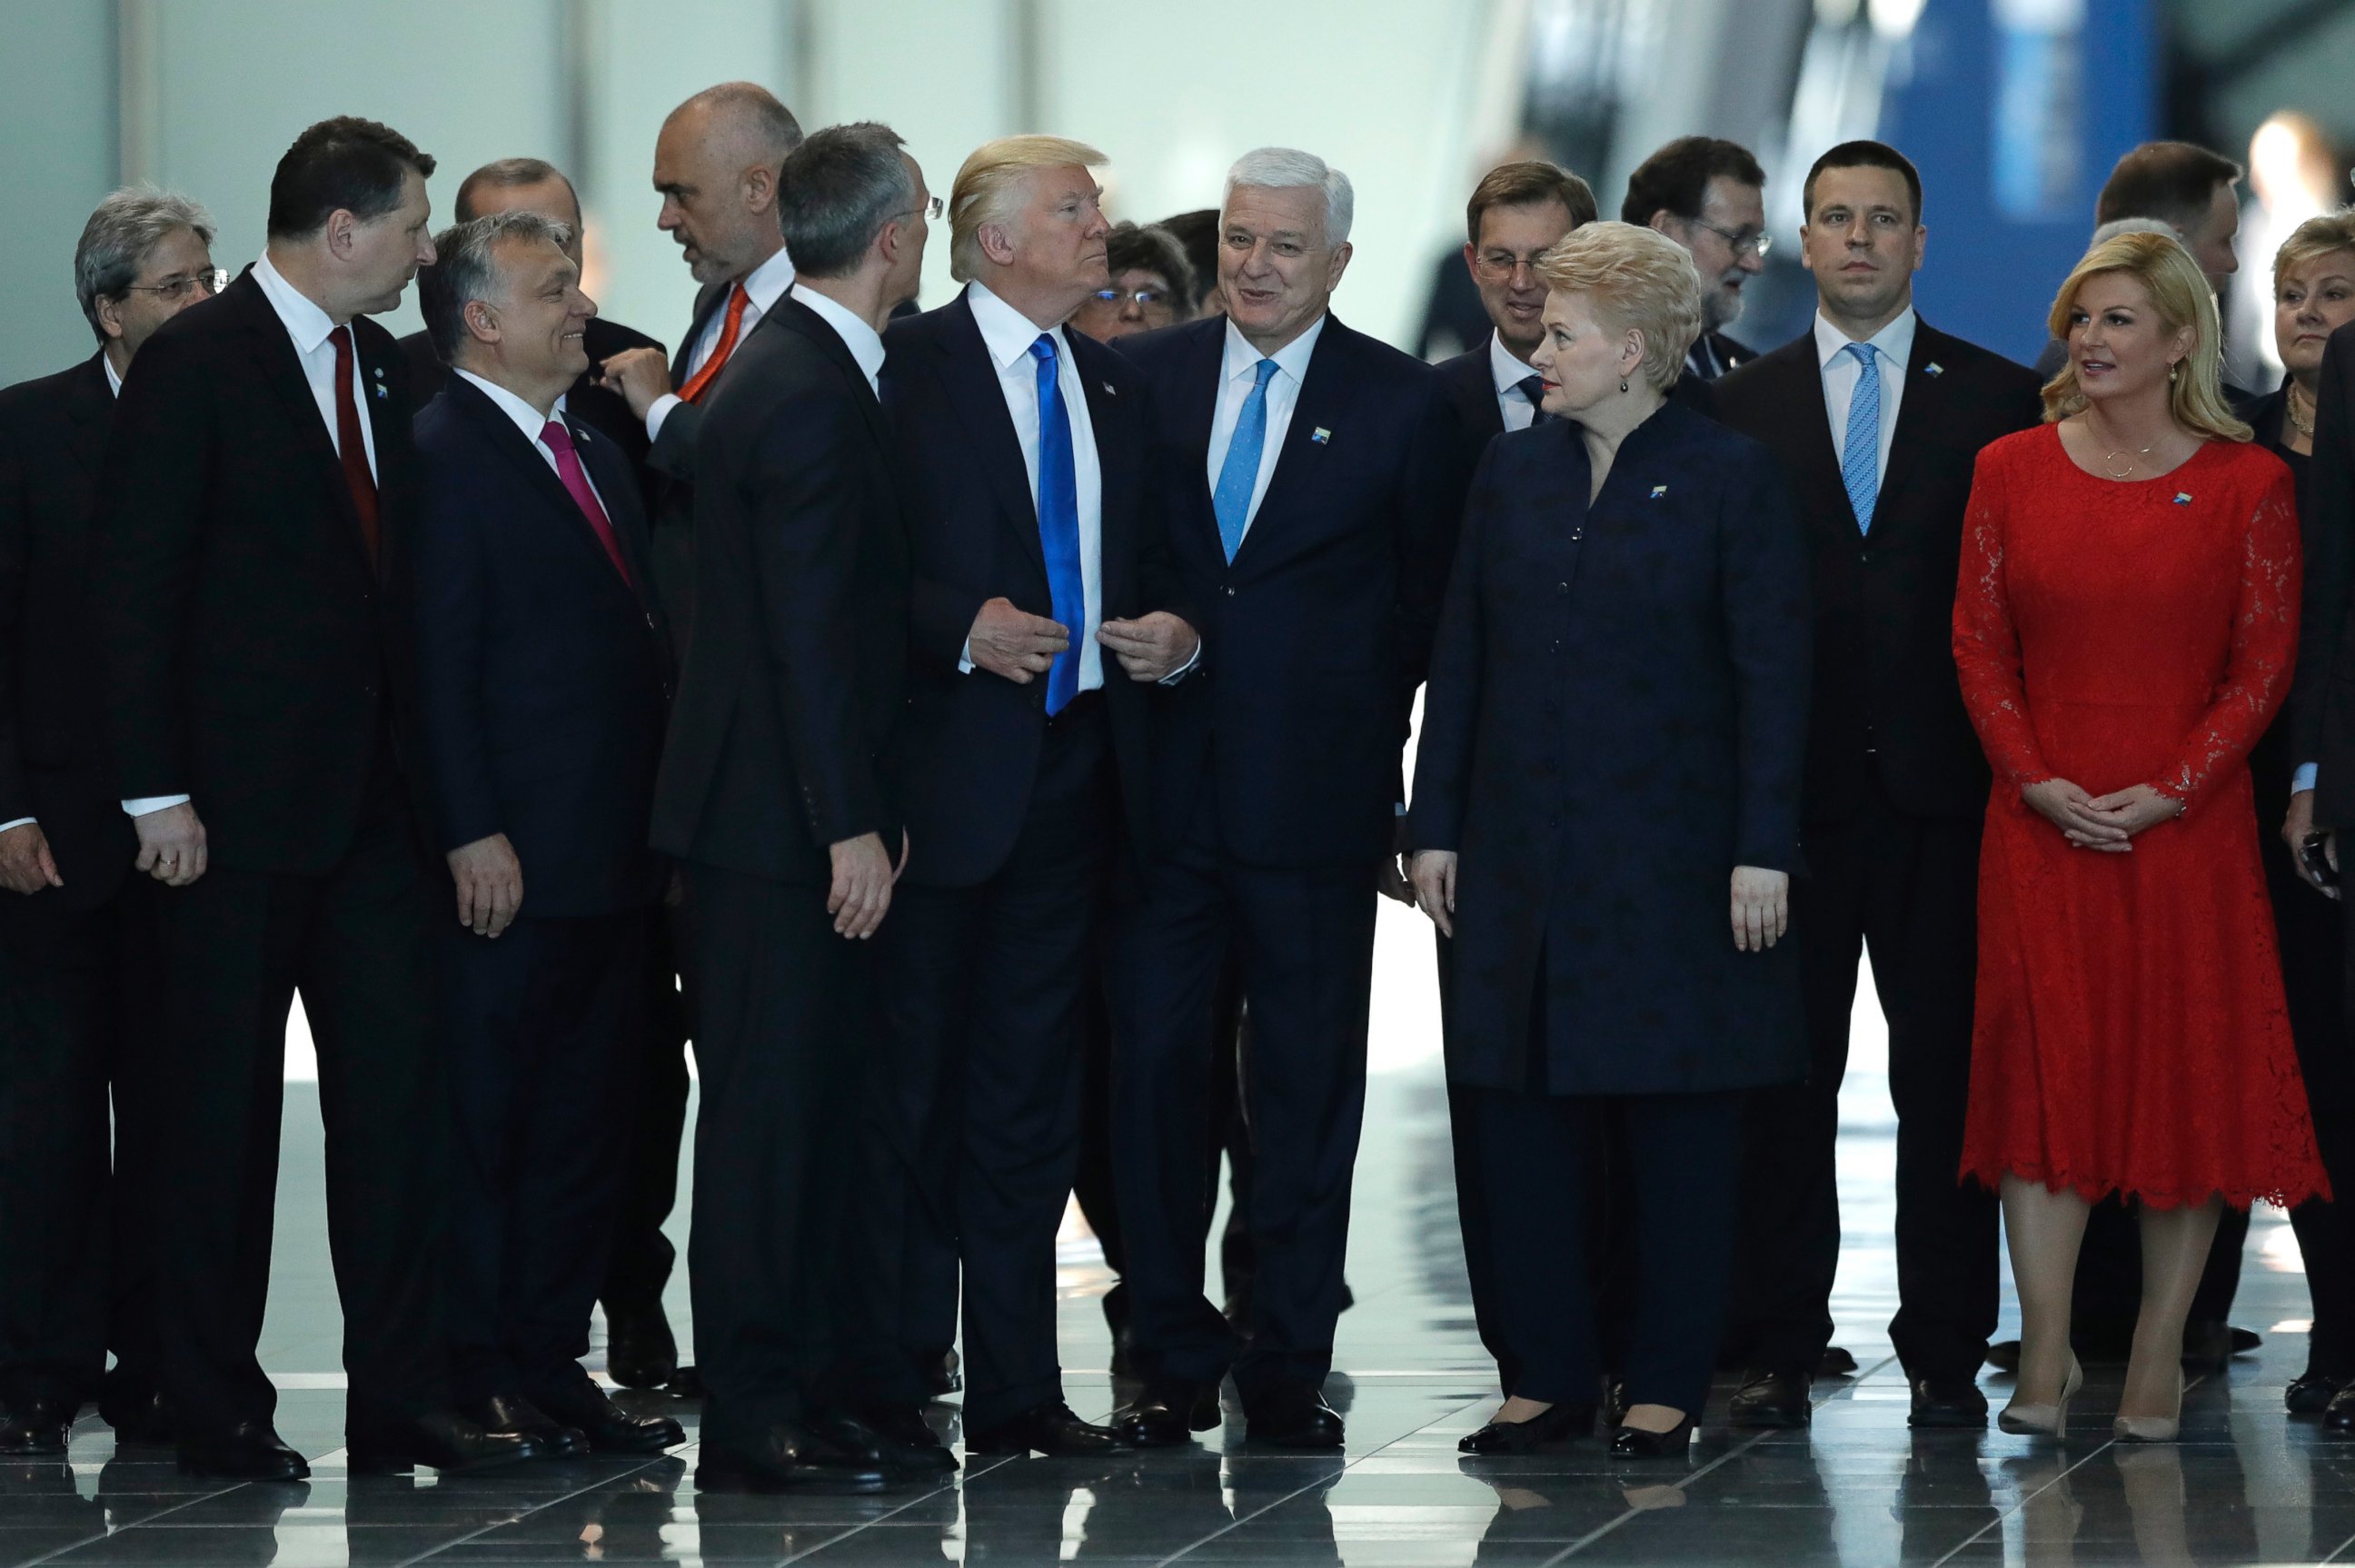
[2246, 1486]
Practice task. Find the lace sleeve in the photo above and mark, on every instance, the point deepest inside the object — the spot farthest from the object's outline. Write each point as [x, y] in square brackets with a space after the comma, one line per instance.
[2263, 652]
[1987, 646]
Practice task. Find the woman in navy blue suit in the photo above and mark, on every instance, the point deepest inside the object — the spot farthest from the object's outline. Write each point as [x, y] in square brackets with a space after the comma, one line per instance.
[1605, 818]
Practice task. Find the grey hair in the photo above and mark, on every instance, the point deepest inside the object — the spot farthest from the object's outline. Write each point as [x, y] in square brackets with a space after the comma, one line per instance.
[121, 232]
[757, 110]
[465, 268]
[2117, 226]
[835, 193]
[1289, 168]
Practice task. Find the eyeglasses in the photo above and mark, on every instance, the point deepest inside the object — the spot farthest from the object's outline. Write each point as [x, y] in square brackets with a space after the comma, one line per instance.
[1144, 299]
[932, 209]
[174, 289]
[1740, 241]
[1496, 264]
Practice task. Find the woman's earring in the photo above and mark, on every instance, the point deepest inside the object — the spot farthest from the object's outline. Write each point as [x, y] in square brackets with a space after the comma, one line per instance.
[1623, 383]
[2172, 372]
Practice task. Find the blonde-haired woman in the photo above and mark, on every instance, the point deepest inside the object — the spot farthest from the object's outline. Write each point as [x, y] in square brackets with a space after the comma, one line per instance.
[2125, 627]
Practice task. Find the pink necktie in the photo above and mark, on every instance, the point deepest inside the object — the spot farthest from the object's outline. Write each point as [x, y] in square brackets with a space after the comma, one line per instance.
[559, 442]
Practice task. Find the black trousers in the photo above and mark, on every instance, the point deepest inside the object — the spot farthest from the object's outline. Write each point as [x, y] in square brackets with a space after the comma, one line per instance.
[1533, 1167]
[76, 1274]
[654, 1055]
[786, 1018]
[1904, 888]
[1304, 940]
[536, 1023]
[356, 941]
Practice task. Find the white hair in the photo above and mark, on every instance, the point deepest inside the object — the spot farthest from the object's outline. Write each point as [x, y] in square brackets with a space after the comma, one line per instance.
[1289, 168]
[2117, 226]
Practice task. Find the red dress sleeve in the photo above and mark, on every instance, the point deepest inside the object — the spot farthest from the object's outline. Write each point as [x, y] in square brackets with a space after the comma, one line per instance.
[1987, 646]
[2263, 652]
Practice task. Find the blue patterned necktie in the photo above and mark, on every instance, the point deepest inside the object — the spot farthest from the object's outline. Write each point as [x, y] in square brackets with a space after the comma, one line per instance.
[1860, 453]
[1059, 525]
[1533, 388]
[1239, 475]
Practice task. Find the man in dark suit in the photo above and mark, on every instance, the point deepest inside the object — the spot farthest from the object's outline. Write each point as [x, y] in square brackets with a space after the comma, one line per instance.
[1041, 588]
[1313, 477]
[74, 1275]
[774, 793]
[542, 689]
[1709, 196]
[1878, 419]
[1516, 212]
[251, 582]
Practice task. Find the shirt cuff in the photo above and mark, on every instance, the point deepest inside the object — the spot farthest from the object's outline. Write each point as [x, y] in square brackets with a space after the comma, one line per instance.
[2302, 779]
[1183, 670]
[152, 803]
[20, 822]
[964, 658]
[658, 411]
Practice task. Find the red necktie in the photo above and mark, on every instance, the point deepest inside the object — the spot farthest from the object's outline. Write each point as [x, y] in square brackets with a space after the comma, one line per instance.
[737, 300]
[351, 445]
[559, 442]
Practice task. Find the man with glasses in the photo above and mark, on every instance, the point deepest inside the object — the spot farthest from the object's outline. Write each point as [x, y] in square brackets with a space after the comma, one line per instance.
[1516, 213]
[1709, 195]
[1152, 286]
[74, 1281]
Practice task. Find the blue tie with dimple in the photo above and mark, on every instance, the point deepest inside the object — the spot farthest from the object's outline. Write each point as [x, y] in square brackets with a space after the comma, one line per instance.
[1860, 453]
[1059, 525]
[1239, 475]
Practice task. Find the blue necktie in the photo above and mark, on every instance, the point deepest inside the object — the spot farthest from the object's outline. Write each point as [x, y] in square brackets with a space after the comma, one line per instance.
[1533, 388]
[1059, 525]
[1239, 475]
[1860, 453]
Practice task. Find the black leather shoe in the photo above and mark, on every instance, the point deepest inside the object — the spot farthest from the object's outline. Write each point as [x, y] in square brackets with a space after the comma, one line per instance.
[1050, 1429]
[1771, 1399]
[2004, 1355]
[905, 1441]
[2339, 1415]
[139, 1417]
[786, 1459]
[608, 1428]
[1556, 1423]
[440, 1440]
[249, 1451]
[1835, 1362]
[640, 1351]
[2310, 1394]
[41, 1426]
[1634, 1443]
[1293, 1417]
[2209, 1344]
[1168, 1412]
[514, 1415]
[1947, 1402]
[685, 1384]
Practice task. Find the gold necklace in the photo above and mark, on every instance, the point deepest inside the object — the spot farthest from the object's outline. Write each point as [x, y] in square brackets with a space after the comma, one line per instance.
[2130, 468]
[2303, 424]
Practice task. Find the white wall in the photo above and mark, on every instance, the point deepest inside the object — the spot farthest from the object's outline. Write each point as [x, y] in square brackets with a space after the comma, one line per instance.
[56, 158]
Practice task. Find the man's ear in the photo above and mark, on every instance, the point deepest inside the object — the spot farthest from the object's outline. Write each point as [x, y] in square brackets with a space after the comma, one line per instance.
[481, 324]
[341, 239]
[110, 316]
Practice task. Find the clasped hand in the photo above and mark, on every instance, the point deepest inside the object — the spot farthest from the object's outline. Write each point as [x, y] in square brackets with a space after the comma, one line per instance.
[1013, 643]
[2106, 823]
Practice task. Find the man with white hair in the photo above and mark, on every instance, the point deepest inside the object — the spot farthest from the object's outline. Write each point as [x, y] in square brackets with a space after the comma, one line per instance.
[1315, 475]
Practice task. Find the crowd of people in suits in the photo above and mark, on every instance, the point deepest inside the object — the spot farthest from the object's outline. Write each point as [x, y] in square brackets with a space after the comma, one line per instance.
[981, 732]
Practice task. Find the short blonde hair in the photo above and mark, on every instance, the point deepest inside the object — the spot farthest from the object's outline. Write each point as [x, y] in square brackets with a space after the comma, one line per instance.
[2314, 239]
[1636, 279]
[2179, 293]
[988, 188]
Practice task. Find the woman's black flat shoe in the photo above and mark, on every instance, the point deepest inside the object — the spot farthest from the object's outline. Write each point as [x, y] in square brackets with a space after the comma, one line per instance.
[1556, 1423]
[1634, 1443]
[2309, 1394]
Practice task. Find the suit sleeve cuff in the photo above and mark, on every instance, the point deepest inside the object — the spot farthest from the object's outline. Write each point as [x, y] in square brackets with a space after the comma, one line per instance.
[658, 411]
[2302, 779]
[152, 803]
[1183, 670]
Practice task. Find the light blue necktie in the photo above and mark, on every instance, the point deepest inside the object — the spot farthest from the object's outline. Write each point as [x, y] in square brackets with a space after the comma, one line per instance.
[1239, 475]
[1860, 453]
[1059, 525]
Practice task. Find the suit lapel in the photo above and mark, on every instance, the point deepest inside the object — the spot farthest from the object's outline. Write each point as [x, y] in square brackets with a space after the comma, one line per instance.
[1324, 399]
[278, 364]
[1918, 412]
[706, 303]
[523, 454]
[92, 403]
[1109, 416]
[1806, 406]
[979, 398]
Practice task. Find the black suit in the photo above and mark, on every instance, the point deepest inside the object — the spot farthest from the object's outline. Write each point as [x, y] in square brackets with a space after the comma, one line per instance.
[790, 693]
[66, 953]
[1276, 775]
[542, 686]
[1896, 788]
[259, 661]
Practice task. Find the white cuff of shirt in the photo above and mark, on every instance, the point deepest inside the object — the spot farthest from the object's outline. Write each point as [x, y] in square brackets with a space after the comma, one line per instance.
[150, 802]
[20, 822]
[1180, 673]
[658, 411]
[2302, 779]
[964, 658]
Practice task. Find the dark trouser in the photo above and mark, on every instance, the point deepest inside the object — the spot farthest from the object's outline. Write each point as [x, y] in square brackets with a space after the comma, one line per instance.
[356, 941]
[654, 1057]
[1904, 888]
[785, 1011]
[537, 1021]
[2317, 960]
[1534, 1170]
[75, 1273]
[1305, 941]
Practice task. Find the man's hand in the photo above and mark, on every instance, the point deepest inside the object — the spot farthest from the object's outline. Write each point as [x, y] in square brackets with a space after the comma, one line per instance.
[1014, 644]
[490, 884]
[861, 893]
[1151, 647]
[26, 863]
[640, 375]
[171, 845]
[2295, 825]
[1761, 907]
[1434, 886]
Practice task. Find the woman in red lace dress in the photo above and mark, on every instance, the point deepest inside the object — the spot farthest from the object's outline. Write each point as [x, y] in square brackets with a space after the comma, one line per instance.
[2125, 626]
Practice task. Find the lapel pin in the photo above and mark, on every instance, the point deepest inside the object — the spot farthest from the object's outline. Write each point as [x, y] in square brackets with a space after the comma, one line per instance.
[2183, 498]
[1934, 369]
[1658, 491]
[380, 372]
[380, 393]
[1320, 435]
[1110, 391]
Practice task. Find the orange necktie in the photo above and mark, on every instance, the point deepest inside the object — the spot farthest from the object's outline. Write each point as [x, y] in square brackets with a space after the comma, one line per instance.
[737, 300]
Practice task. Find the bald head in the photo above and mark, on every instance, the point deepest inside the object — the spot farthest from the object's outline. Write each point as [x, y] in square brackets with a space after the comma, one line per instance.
[716, 165]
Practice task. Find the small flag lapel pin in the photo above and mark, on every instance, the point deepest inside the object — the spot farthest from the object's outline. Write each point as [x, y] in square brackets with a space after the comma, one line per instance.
[2183, 498]
[1658, 491]
[380, 393]
[1320, 435]
[1934, 369]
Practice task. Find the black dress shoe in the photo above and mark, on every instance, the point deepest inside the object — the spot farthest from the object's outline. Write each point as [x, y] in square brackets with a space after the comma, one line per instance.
[685, 1384]
[905, 1441]
[2004, 1355]
[608, 1428]
[640, 1351]
[1555, 1424]
[249, 1451]
[1835, 1362]
[1050, 1429]
[1771, 1399]
[440, 1440]
[1293, 1417]
[1634, 1443]
[1168, 1412]
[139, 1417]
[1947, 1402]
[36, 1425]
[2339, 1415]
[2310, 1394]
[785, 1459]
[512, 1415]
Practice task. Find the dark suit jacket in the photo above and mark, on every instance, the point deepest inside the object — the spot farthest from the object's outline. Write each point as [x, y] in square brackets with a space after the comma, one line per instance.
[253, 655]
[792, 687]
[2323, 700]
[1616, 719]
[670, 480]
[1316, 635]
[543, 677]
[1730, 353]
[55, 760]
[968, 747]
[1886, 695]
[1473, 389]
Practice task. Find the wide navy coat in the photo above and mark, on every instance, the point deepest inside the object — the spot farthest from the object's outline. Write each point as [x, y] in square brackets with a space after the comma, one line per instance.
[1616, 718]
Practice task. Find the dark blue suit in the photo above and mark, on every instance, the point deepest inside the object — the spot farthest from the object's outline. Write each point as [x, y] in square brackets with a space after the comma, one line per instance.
[1276, 774]
[543, 685]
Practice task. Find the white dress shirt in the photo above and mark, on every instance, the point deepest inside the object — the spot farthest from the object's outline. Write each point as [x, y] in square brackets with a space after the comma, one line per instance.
[857, 335]
[764, 285]
[531, 422]
[1892, 346]
[1240, 370]
[1508, 373]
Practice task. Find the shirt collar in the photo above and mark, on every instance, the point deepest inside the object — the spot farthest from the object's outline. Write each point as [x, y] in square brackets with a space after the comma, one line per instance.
[528, 420]
[865, 346]
[113, 381]
[307, 323]
[1291, 360]
[1894, 342]
[766, 283]
[1005, 331]
[1504, 369]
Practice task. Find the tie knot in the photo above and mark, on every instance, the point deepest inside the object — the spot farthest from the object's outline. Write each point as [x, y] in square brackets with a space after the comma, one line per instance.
[1862, 353]
[1263, 370]
[1043, 350]
[555, 436]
